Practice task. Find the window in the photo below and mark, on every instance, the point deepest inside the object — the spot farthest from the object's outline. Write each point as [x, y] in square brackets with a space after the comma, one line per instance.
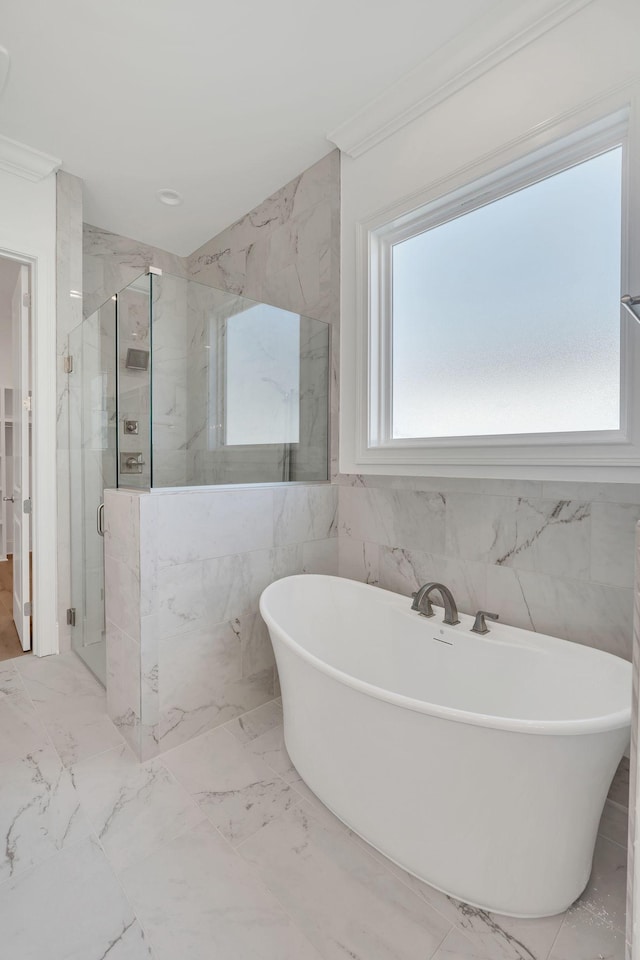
[506, 320]
[494, 312]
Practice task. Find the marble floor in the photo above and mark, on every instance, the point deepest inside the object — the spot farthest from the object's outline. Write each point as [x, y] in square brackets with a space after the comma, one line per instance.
[216, 849]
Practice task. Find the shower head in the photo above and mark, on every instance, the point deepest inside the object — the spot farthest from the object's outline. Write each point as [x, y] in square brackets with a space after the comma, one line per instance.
[137, 359]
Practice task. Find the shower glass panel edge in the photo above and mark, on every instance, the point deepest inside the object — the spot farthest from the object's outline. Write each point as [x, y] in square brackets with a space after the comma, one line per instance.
[92, 467]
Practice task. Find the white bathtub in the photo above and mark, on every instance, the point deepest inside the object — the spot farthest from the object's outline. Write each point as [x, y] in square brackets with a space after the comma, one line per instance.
[478, 763]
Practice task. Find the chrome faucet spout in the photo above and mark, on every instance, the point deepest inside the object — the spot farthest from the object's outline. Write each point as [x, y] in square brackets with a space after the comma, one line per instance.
[422, 602]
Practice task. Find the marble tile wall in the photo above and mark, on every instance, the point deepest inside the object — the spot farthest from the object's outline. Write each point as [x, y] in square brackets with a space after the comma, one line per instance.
[68, 316]
[122, 588]
[207, 463]
[186, 647]
[553, 557]
[286, 252]
[112, 262]
[171, 386]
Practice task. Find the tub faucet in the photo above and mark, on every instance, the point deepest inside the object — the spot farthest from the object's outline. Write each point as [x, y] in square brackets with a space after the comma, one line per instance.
[422, 603]
[479, 624]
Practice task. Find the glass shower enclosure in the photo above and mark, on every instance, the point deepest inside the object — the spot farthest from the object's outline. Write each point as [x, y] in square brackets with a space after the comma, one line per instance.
[178, 384]
[92, 467]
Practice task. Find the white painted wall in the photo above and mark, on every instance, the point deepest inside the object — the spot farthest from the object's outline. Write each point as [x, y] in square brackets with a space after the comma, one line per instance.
[586, 56]
[28, 230]
[8, 277]
[5, 344]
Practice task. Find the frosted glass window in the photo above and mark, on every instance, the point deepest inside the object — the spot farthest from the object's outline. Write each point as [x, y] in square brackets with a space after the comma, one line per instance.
[262, 376]
[506, 320]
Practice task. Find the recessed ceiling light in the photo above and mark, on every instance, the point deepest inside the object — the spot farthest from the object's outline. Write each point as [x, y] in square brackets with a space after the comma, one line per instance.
[171, 197]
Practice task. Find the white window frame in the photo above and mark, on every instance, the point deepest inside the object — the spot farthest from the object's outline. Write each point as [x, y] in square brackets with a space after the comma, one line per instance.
[540, 154]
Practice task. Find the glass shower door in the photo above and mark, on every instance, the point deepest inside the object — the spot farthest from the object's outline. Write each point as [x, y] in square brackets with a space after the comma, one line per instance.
[92, 447]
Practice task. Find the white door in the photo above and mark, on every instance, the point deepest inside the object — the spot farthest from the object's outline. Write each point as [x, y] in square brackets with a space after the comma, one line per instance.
[21, 452]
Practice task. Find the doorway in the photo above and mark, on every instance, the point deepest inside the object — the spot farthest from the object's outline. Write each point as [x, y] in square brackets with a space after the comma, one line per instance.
[15, 459]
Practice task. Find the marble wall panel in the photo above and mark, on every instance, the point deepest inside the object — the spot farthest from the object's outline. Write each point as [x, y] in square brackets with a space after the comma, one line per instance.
[411, 519]
[546, 536]
[285, 252]
[112, 262]
[123, 684]
[553, 557]
[613, 528]
[68, 316]
[184, 574]
[199, 529]
[122, 611]
[304, 513]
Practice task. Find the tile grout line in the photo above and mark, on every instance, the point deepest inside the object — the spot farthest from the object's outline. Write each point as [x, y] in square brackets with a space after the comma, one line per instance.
[310, 811]
[233, 849]
[256, 874]
[146, 938]
[451, 929]
[385, 864]
[46, 725]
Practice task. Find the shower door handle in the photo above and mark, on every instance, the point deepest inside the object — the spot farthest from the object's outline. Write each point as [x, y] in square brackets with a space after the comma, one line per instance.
[100, 519]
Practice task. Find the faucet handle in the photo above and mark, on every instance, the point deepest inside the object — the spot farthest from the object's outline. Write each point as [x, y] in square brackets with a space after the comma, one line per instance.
[479, 625]
[422, 604]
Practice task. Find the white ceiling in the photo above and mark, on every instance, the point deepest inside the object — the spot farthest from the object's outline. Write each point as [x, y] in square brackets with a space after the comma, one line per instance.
[224, 102]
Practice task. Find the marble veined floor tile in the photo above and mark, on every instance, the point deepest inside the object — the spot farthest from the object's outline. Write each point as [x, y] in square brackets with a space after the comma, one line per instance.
[614, 823]
[39, 811]
[506, 938]
[57, 680]
[270, 747]
[72, 705]
[606, 893]
[198, 900]
[345, 901]
[238, 792]
[497, 937]
[587, 936]
[21, 729]
[456, 946]
[493, 935]
[619, 789]
[133, 807]
[70, 907]
[256, 722]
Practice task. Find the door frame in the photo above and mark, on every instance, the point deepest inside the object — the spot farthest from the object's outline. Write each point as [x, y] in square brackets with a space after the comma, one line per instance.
[44, 531]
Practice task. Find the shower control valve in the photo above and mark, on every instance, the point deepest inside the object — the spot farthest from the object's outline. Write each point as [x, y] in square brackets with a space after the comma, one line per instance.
[131, 463]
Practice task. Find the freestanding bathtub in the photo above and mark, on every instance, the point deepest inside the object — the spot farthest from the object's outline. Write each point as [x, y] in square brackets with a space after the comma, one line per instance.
[478, 763]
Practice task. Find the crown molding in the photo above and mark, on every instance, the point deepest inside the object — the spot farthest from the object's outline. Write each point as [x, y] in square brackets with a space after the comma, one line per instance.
[25, 162]
[474, 51]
